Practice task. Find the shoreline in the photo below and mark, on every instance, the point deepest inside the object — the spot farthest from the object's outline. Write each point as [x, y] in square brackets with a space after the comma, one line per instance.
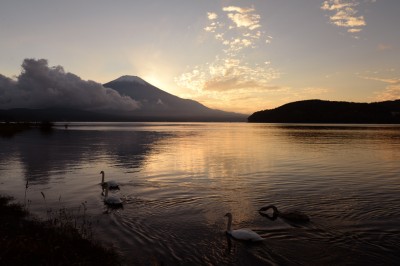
[26, 240]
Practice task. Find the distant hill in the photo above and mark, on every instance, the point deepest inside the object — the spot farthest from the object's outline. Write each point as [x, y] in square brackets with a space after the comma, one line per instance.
[318, 111]
[155, 105]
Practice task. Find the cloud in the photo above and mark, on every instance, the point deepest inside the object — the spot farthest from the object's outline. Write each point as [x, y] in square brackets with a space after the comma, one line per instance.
[41, 86]
[353, 30]
[238, 9]
[237, 70]
[391, 91]
[384, 47]
[245, 20]
[212, 15]
[243, 17]
[224, 75]
[334, 5]
[385, 80]
[344, 14]
[238, 31]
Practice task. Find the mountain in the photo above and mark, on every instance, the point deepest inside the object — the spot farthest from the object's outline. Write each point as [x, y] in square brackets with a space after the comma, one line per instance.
[318, 111]
[156, 104]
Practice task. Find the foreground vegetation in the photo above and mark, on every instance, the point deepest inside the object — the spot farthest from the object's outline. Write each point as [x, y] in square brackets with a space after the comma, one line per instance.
[28, 241]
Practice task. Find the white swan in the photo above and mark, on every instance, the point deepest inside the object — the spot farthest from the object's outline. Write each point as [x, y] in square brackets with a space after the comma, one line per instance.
[243, 233]
[110, 184]
[112, 200]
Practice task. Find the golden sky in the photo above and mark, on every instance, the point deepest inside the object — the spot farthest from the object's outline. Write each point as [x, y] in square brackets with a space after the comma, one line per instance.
[241, 56]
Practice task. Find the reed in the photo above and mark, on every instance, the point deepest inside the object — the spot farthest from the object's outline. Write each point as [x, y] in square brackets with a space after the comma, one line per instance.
[65, 238]
[69, 219]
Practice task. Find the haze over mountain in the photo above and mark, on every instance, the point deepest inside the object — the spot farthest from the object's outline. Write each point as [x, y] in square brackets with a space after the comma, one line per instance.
[41, 92]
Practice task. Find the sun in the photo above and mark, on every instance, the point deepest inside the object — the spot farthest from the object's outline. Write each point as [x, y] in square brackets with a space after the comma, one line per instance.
[153, 80]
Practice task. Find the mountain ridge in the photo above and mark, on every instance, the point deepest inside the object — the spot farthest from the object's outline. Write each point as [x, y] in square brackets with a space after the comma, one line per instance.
[153, 103]
[320, 111]
[156, 102]
[130, 78]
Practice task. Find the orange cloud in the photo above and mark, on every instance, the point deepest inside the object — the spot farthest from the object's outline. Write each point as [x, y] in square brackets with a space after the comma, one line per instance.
[345, 14]
[232, 73]
[384, 47]
[243, 17]
[392, 90]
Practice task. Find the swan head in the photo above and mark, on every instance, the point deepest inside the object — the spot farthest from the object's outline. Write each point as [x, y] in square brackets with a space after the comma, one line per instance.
[275, 212]
[102, 172]
[275, 209]
[229, 215]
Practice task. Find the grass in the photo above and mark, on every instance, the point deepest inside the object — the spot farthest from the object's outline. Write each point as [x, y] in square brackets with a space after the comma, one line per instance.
[25, 240]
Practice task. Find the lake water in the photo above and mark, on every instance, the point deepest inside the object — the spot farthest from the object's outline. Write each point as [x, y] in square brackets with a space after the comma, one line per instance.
[179, 180]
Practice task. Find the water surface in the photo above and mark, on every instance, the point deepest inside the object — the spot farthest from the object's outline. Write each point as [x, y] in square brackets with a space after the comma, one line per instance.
[179, 179]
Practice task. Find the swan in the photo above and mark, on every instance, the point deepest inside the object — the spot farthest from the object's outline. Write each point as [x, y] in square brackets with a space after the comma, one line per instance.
[293, 216]
[112, 200]
[110, 184]
[243, 233]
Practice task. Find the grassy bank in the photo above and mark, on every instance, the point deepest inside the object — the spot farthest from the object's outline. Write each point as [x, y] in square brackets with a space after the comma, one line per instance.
[28, 241]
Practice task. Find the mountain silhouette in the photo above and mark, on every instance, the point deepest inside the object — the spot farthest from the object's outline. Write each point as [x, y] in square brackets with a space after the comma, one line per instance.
[318, 111]
[153, 105]
[156, 104]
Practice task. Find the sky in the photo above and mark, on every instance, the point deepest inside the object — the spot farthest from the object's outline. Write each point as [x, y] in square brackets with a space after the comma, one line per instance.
[232, 55]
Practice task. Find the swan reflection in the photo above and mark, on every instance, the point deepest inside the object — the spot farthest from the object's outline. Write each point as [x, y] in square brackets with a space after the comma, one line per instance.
[289, 216]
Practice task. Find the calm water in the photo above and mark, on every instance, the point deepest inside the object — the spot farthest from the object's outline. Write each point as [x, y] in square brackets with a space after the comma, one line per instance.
[179, 179]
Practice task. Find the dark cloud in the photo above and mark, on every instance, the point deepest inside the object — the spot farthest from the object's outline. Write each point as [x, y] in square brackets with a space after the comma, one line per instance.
[41, 86]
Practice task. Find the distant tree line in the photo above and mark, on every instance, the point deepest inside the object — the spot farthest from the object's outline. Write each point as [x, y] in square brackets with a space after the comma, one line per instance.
[319, 111]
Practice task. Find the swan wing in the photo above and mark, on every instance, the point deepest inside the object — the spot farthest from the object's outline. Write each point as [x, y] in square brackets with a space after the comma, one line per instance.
[245, 234]
[111, 184]
[113, 201]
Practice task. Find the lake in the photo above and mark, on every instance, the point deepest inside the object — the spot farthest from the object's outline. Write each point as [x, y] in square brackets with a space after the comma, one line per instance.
[178, 180]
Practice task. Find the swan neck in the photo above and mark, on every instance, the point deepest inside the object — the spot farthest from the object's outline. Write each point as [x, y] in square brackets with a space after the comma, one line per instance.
[275, 209]
[102, 178]
[229, 226]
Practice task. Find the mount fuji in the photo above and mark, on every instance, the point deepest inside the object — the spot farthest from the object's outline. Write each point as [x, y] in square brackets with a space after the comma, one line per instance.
[151, 104]
[158, 105]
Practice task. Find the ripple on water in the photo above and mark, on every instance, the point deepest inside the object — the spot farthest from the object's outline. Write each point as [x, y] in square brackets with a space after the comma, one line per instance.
[178, 180]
